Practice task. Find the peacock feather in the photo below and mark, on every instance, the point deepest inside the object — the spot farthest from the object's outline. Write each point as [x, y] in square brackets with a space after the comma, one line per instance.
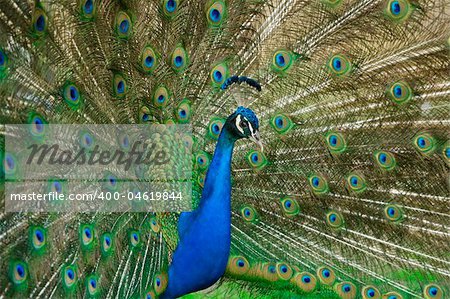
[345, 195]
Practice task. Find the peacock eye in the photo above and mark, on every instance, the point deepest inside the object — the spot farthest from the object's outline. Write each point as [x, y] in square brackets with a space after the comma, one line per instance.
[243, 124]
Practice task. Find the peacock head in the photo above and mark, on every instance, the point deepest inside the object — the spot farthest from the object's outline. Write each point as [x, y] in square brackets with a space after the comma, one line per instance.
[243, 123]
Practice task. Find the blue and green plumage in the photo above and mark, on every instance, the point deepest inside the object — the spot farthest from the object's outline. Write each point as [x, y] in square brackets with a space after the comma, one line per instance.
[349, 198]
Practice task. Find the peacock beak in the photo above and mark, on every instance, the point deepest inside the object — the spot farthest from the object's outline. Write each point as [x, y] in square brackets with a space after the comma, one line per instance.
[255, 138]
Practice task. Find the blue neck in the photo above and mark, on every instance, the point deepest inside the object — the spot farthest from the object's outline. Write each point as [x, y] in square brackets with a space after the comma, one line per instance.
[201, 256]
[219, 172]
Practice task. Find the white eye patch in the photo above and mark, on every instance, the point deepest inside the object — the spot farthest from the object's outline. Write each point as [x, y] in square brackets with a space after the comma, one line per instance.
[238, 124]
[250, 126]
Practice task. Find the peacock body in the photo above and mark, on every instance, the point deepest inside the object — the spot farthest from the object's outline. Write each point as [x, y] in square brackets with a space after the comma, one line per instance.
[349, 199]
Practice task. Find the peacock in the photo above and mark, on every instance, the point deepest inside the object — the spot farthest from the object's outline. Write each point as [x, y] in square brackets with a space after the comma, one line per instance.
[320, 146]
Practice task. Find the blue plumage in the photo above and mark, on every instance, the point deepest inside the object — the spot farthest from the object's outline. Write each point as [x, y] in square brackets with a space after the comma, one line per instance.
[205, 234]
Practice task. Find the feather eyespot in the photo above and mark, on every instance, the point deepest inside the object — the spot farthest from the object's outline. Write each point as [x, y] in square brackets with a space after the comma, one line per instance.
[9, 166]
[257, 159]
[281, 123]
[188, 142]
[219, 73]
[144, 114]
[154, 225]
[238, 265]
[179, 59]
[249, 214]
[202, 160]
[393, 213]
[318, 183]
[334, 219]
[398, 10]
[433, 291]
[135, 238]
[20, 271]
[92, 285]
[282, 61]
[106, 244]
[385, 160]
[346, 289]
[336, 142]
[87, 236]
[216, 13]
[69, 277]
[86, 139]
[72, 95]
[40, 21]
[120, 86]
[269, 271]
[110, 181]
[425, 143]
[161, 96]
[400, 92]
[340, 65]
[356, 183]
[215, 127]
[150, 295]
[326, 275]
[183, 112]
[37, 125]
[123, 141]
[124, 25]
[170, 7]
[38, 237]
[290, 206]
[337, 64]
[149, 60]
[18, 274]
[284, 271]
[305, 281]
[395, 8]
[201, 179]
[370, 292]
[160, 283]
[56, 186]
[217, 76]
[88, 8]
